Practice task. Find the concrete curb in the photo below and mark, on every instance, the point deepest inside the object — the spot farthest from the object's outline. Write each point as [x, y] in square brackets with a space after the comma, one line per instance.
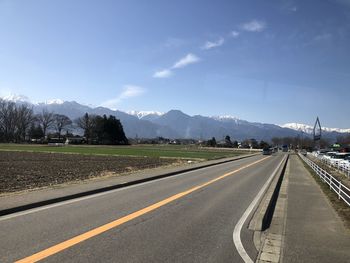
[28, 206]
[263, 214]
[262, 217]
[273, 239]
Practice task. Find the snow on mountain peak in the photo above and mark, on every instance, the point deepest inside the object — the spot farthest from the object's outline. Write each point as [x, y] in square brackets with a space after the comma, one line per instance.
[54, 101]
[225, 117]
[17, 98]
[142, 114]
[24, 99]
[298, 127]
[309, 129]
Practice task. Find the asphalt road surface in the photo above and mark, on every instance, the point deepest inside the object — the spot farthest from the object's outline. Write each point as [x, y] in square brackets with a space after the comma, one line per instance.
[186, 218]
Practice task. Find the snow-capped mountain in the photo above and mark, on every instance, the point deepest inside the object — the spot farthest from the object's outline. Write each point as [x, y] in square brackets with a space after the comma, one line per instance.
[299, 127]
[53, 101]
[24, 99]
[143, 114]
[309, 129]
[225, 118]
[17, 98]
[176, 124]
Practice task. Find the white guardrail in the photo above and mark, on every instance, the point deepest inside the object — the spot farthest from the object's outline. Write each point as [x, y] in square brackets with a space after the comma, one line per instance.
[337, 165]
[341, 190]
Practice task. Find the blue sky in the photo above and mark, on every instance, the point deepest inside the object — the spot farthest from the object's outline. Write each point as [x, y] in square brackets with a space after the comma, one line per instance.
[266, 61]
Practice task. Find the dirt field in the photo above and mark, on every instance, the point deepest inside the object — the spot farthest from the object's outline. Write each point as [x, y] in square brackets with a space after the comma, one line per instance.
[25, 170]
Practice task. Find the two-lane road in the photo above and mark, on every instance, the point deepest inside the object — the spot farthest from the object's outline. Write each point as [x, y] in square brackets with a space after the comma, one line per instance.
[186, 218]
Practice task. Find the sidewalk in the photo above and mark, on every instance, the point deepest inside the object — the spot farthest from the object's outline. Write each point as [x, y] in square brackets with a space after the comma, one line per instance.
[27, 198]
[314, 232]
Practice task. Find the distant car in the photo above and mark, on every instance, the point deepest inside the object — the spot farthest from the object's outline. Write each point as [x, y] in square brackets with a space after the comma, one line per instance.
[285, 148]
[267, 151]
[328, 156]
[345, 164]
[337, 158]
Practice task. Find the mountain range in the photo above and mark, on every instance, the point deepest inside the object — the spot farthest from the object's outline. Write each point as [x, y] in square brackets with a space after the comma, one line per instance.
[176, 124]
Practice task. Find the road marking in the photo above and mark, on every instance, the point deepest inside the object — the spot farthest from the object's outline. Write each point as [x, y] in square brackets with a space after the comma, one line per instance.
[42, 208]
[99, 230]
[238, 228]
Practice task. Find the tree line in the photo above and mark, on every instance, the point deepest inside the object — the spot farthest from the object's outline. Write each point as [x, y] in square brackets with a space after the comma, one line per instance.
[302, 142]
[298, 142]
[19, 124]
[228, 143]
[102, 130]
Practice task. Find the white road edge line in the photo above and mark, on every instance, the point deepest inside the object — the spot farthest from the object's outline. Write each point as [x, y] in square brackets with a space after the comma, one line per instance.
[75, 200]
[238, 228]
[38, 209]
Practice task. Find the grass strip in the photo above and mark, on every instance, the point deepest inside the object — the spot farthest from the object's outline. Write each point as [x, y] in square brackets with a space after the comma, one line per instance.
[168, 151]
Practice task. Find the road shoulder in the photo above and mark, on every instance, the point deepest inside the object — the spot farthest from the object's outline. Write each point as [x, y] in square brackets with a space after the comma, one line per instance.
[314, 232]
[270, 241]
[14, 202]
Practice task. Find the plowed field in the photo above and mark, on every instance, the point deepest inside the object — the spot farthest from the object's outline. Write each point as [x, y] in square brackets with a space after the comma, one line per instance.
[26, 170]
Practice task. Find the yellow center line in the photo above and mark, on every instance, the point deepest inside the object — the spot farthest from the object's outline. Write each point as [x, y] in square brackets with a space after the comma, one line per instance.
[99, 230]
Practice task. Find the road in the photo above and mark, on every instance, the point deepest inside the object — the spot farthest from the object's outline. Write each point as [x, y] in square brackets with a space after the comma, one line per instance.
[185, 218]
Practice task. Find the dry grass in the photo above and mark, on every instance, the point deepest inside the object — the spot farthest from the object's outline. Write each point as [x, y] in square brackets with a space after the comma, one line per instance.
[337, 174]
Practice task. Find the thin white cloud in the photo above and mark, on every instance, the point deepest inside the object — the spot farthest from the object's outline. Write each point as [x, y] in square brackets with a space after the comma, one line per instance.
[288, 5]
[129, 91]
[173, 42]
[254, 26]
[181, 63]
[234, 34]
[185, 61]
[165, 73]
[209, 45]
[318, 39]
[324, 36]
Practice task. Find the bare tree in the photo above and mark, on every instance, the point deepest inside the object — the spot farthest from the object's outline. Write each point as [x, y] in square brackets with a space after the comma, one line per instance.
[60, 122]
[344, 139]
[8, 120]
[24, 119]
[15, 121]
[87, 124]
[276, 141]
[46, 120]
[2, 126]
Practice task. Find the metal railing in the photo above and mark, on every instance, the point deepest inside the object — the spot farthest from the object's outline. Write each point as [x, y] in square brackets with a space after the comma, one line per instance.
[337, 165]
[336, 185]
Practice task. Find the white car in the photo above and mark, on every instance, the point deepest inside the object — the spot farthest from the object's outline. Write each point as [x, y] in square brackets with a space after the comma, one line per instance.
[328, 156]
[345, 164]
[335, 159]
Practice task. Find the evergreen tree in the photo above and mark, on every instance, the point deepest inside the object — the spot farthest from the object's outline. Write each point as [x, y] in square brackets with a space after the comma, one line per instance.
[212, 142]
[108, 130]
[228, 141]
[36, 132]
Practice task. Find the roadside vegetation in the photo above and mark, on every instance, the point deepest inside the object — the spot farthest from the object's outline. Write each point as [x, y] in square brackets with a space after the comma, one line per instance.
[19, 124]
[173, 151]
